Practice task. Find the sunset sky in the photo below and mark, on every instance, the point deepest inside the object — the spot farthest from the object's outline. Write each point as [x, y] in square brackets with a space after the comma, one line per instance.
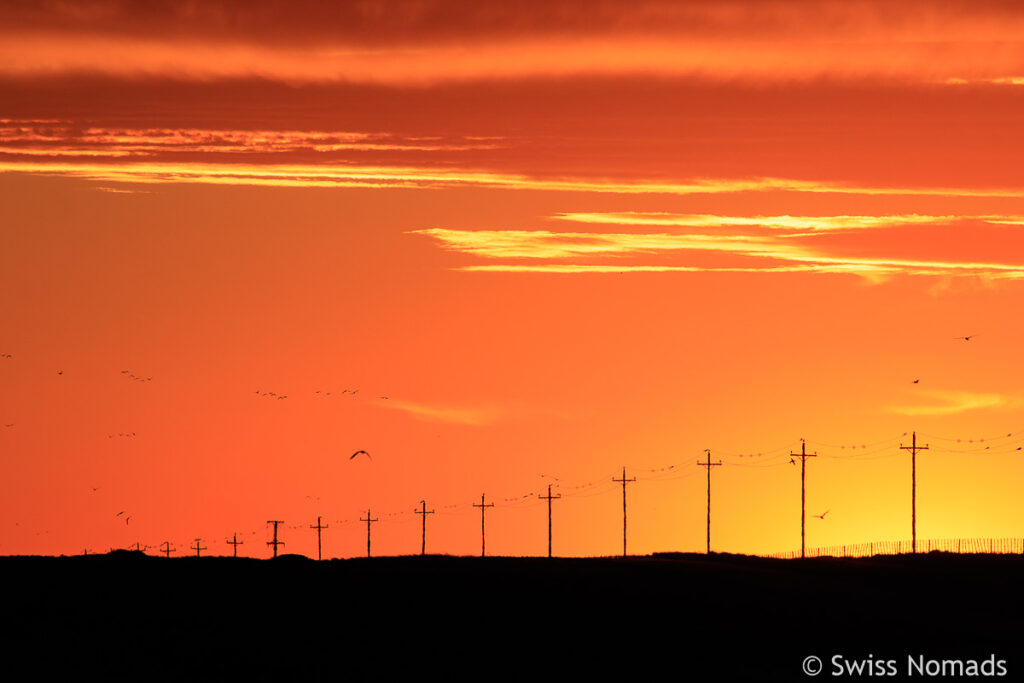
[544, 240]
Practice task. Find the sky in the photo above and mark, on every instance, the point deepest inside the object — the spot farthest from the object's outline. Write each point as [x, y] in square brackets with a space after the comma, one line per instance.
[502, 247]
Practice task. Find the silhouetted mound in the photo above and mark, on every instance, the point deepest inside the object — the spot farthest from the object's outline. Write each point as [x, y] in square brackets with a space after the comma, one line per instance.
[699, 617]
[289, 557]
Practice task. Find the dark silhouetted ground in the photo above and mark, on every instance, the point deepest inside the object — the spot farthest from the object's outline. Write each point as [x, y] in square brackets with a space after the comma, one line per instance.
[675, 617]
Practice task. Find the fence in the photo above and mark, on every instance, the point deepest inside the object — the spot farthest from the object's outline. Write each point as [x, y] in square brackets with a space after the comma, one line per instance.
[1005, 546]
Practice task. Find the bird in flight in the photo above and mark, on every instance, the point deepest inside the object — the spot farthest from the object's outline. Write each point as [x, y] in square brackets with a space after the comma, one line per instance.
[359, 453]
[60, 372]
[967, 338]
[822, 515]
[916, 381]
[119, 513]
[792, 461]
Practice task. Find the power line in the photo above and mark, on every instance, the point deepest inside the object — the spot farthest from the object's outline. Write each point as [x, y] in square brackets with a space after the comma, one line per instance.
[623, 481]
[275, 542]
[483, 532]
[913, 448]
[319, 552]
[235, 542]
[423, 538]
[709, 465]
[549, 498]
[369, 520]
[803, 455]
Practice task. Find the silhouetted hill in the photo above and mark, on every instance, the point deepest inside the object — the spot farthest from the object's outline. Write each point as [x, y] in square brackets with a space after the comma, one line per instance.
[698, 617]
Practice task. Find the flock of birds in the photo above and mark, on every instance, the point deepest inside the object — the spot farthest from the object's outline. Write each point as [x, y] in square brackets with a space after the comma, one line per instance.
[262, 394]
[352, 392]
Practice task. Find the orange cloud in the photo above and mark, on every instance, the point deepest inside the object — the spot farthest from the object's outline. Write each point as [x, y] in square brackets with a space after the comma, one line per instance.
[800, 223]
[519, 244]
[427, 42]
[327, 175]
[466, 416]
[954, 402]
[60, 139]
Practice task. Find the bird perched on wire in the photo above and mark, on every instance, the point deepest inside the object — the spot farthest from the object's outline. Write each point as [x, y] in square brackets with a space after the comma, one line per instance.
[351, 457]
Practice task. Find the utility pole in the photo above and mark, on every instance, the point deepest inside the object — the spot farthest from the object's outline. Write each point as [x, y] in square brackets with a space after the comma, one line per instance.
[623, 481]
[483, 535]
[549, 498]
[167, 549]
[913, 448]
[235, 542]
[197, 547]
[803, 455]
[275, 542]
[709, 465]
[369, 520]
[424, 512]
[319, 553]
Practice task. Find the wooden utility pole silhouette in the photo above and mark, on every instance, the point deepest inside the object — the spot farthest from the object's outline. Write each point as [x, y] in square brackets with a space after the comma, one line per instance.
[319, 554]
[483, 535]
[369, 520]
[709, 465]
[550, 498]
[803, 455]
[424, 512]
[235, 542]
[275, 542]
[167, 549]
[197, 547]
[623, 481]
[913, 448]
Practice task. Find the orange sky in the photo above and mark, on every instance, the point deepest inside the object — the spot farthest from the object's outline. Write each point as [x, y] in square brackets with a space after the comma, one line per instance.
[559, 237]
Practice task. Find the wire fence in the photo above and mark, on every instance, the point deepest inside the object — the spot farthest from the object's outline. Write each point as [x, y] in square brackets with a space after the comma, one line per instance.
[996, 546]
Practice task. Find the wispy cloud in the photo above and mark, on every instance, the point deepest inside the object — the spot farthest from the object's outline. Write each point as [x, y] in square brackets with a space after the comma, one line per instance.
[1009, 80]
[797, 257]
[656, 53]
[66, 139]
[953, 402]
[795, 223]
[438, 413]
[121, 190]
[332, 175]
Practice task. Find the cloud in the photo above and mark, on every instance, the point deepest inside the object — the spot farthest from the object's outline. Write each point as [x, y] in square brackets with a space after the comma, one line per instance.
[66, 139]
[455, 415]
[797, 223]
[796, 257]
[426, 42]
[953, 402]
[121, 190]
[355, 175]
